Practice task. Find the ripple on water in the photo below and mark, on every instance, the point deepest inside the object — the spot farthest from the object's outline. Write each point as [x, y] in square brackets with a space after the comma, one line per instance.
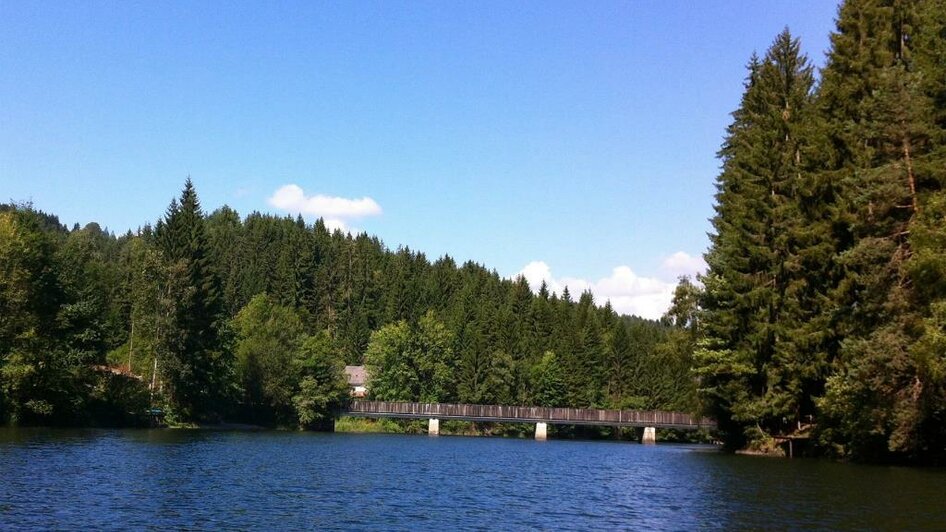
[212, 480]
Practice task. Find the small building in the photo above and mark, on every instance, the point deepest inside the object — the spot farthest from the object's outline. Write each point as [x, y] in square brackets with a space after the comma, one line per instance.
[357, 379]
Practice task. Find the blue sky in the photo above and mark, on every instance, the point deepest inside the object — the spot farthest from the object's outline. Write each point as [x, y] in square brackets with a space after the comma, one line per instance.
[575, 141]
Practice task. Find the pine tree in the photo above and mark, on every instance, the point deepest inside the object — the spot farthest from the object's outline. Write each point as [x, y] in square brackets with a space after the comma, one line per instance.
[746, 364]
[879, 99]
[197, 367]
[224, 239]
[590, 356]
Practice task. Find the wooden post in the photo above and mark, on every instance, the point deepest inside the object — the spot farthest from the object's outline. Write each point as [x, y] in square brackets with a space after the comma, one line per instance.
[541, 431]
[433, 427]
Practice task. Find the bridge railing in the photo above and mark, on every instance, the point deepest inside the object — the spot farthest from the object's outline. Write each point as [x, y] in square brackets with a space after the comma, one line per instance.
[577, 416]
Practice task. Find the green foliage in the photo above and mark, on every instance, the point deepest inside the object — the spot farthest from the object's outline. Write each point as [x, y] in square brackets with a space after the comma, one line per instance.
[411, 363]
[252, 320]
[34, 378]
[286, 377]
[822, 313]
[389, 365]
[822, 303]
[360, 424]
[501, 380]
[323, 387]
[196, 360]
[753, 301]
[884, 400]
[269, 337]
[548, 382]
[117, 400]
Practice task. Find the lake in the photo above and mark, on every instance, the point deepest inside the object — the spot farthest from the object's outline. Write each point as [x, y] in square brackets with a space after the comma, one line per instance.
[172, 479]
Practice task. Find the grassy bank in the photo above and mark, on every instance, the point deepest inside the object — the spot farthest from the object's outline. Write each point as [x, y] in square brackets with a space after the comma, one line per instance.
[511, 430]
[359, 424]
[419, 426]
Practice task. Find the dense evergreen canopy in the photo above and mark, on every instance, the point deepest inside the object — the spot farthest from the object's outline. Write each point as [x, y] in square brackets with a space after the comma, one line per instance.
[822, 315]
[217, 317]
[822, 309]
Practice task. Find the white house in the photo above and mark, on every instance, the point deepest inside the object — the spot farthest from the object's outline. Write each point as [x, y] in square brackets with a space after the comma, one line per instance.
[357, 377]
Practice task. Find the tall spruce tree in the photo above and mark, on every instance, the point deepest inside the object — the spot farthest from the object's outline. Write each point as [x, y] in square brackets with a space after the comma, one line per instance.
[878, 98]
[752, 376]
[197, 366]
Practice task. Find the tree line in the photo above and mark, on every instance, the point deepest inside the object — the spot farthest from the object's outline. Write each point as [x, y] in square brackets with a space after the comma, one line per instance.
[822, 315]
[213, 317]
[823, 310]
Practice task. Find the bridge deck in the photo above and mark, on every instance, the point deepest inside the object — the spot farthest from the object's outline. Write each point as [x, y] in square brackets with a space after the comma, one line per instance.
[527, 414]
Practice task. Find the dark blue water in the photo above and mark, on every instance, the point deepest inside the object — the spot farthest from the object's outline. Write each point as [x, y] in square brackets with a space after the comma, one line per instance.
[173, 479]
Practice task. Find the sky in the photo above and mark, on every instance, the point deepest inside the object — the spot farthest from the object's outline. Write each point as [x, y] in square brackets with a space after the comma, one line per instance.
[570, 142]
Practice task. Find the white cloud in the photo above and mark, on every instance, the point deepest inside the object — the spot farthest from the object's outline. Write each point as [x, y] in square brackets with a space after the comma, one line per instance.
[535, 272]
[336, 211]
[629, 293]
[682, 263]
[334, 223]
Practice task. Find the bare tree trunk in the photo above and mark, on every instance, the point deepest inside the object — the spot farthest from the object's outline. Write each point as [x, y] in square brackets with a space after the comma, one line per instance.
[910, 175]
[131, 343]
[154, 374]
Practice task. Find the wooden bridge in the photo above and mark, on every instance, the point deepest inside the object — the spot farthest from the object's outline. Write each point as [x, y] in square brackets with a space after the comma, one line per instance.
[540, 415]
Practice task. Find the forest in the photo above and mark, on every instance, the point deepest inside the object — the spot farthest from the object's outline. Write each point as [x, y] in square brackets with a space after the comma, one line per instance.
[821, 316]
[214, 317]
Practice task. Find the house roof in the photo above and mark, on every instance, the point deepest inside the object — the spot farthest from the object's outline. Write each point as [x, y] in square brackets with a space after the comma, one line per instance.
[357, 375]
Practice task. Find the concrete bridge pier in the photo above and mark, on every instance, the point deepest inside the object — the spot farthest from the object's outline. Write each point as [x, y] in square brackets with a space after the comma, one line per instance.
[541, 431]
[433, 427]
[650, 435]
